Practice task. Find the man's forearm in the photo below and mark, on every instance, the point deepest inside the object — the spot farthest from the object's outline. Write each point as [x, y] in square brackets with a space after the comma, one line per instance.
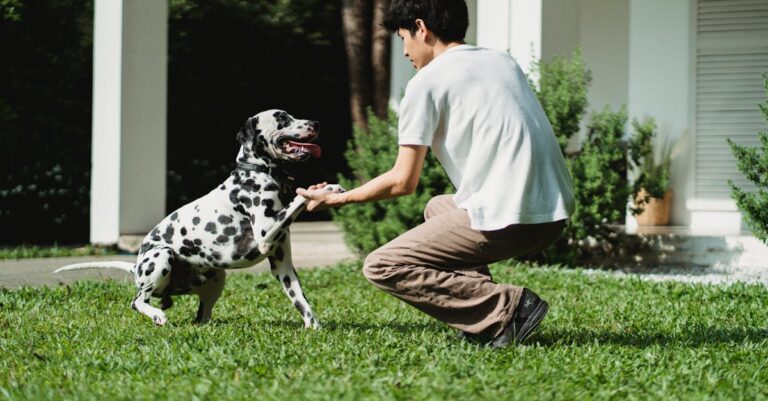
[385, 186]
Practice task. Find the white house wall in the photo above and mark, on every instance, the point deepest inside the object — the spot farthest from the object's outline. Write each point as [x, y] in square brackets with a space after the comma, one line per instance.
[660, 53]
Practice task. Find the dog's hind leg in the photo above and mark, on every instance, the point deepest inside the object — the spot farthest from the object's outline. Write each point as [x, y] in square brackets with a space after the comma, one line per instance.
[208, 293]
[281, 265]
[153, 273]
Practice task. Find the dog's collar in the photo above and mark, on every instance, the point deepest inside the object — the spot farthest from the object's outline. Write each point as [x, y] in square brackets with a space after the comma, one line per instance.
[256, 167]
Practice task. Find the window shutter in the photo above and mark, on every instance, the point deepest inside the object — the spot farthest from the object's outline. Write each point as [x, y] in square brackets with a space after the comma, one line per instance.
[731, 56]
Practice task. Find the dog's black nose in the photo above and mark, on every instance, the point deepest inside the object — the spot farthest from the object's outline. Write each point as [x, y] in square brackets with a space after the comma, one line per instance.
[314, 125]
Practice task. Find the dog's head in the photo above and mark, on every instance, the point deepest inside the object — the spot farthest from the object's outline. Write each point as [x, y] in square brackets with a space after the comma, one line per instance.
[276, 135]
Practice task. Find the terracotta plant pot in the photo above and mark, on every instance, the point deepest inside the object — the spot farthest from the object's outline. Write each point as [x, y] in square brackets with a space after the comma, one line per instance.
[656, 211]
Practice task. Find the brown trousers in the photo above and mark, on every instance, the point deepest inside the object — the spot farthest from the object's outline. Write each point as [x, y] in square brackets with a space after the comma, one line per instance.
[440, 267]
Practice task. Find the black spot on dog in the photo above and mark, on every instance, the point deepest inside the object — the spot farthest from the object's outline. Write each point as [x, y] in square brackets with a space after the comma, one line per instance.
[165, 272]
[253, 254]
[211, 227]
[240, 209]
[256, 200]
[230, 231]
[300, 307]
[195, 220]
[225, 219]
[233, 196]
[216, 256]
[263, 233]
[174, 216]
[291, 293]
[222, 187]
[198, 241]
[183, 230]
[279, 254]
[245, 201]
[150, 269]
[271, 187]
[222, 239]
[168, 235]
[156, 254]
[145, 247]
[281, 215]
[155, 234]
[286, 281]
[268, 203]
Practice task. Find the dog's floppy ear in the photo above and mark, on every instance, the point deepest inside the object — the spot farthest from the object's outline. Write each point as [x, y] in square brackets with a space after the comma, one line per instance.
[248, 131]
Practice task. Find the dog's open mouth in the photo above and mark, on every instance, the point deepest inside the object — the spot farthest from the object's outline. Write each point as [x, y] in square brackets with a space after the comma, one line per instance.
[293, 147]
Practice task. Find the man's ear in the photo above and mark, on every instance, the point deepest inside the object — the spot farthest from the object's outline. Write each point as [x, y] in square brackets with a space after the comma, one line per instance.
[421, 28]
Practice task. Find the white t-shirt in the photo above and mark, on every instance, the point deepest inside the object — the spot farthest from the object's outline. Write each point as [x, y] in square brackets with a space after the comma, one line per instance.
[476, 110]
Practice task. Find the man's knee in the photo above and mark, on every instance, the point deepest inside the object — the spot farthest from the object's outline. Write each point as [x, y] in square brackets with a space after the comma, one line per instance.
[437, 205]
[373, 267]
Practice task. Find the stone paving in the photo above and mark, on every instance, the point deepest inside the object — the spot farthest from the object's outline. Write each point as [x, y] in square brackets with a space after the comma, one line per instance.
[314, 244]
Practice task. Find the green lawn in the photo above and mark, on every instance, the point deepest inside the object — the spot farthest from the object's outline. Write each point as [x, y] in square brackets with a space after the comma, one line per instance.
[604, 338]
[55, 251]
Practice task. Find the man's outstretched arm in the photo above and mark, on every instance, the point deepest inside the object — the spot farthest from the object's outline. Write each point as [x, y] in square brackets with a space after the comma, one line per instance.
[400, 180]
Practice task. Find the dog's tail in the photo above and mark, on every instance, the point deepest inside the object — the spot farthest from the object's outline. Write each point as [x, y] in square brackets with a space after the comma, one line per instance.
[124, 266]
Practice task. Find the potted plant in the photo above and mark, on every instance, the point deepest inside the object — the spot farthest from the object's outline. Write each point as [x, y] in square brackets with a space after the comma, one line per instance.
[651, 161]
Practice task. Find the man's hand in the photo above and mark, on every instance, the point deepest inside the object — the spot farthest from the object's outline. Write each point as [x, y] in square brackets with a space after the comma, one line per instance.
[320, 199]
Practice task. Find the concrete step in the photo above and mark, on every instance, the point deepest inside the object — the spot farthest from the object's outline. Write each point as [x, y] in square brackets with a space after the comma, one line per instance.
[684, 246]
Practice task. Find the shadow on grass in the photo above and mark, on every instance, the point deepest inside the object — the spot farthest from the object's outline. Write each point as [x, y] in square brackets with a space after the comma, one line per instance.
[697, 336]
[330, 325]
[702, 335]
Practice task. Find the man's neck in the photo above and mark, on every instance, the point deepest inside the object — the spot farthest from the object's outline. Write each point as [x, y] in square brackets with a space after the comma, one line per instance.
[441, 47]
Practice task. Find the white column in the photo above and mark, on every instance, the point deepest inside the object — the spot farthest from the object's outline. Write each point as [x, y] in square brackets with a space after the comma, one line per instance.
[129, 117]
[513, 26]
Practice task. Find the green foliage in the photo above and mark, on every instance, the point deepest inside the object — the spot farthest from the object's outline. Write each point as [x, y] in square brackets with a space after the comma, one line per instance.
[753, 163]
[652, 175]
[228, 59]
[604, 339]
[370, 153]
[598, 171]
[33, 251]
[601, 190]
[45, 120]
[562, 92]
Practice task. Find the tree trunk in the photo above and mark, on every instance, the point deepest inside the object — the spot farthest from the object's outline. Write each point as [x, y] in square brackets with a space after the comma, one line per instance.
[356, 20]
[380, 51]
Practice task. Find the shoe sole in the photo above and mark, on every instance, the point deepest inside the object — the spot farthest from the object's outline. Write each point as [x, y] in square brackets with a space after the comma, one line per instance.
[533, 321]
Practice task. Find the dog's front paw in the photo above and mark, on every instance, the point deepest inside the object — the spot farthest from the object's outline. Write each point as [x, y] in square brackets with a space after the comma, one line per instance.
[335, 188]
[160, 319]
[312, 324]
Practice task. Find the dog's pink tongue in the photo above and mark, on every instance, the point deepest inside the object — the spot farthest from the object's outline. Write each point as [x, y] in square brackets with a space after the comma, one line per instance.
[313, 149]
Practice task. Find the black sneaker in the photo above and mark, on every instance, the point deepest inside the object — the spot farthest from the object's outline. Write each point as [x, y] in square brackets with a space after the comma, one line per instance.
[529, 313]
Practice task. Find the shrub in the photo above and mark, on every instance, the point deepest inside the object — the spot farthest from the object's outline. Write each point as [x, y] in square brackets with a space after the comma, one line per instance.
[753, 163]
[562, 92]
[601, 190]
[370, 153]
[45, 120]
[219, 55]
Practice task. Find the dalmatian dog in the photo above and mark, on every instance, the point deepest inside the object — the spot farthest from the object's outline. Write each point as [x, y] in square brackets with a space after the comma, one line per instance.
[236, 225]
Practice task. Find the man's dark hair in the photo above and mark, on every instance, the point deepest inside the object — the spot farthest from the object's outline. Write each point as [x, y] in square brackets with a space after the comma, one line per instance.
[447, 19]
